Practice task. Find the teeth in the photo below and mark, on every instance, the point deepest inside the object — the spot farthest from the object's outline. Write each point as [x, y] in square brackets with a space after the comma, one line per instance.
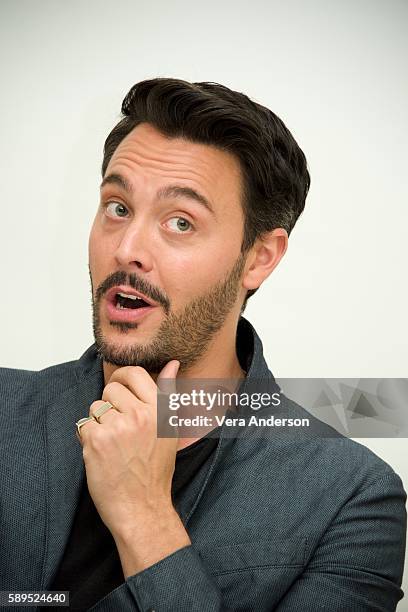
[132, 297]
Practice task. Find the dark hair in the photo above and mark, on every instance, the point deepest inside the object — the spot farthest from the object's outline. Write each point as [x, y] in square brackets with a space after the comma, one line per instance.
[274, 168]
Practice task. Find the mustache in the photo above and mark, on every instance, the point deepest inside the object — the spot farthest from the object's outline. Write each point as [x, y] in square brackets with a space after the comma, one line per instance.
[137, 283]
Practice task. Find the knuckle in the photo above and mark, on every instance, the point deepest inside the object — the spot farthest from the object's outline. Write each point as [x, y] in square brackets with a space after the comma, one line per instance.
[141, 418]
[138, 369]
[95, 441]
[111, 386]
[121, 427]
[137, 372]
[144, 416]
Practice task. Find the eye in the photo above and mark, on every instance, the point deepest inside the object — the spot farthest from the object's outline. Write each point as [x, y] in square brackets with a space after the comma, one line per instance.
[116, 209]
[181, 225]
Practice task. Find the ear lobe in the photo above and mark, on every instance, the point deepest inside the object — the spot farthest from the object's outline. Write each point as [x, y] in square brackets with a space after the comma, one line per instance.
[267, 253]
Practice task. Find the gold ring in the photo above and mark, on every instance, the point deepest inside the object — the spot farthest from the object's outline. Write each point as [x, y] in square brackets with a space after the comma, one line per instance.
[82, 422]
[101, 410]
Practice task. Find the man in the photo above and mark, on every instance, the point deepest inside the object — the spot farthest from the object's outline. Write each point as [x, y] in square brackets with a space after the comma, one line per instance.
[201, 188]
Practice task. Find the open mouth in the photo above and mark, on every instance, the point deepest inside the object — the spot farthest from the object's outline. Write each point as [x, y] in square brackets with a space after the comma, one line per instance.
[123, 301]
[125, 306]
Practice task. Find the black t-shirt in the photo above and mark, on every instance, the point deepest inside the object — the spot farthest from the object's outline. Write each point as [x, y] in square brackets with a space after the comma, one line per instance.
[91, 568]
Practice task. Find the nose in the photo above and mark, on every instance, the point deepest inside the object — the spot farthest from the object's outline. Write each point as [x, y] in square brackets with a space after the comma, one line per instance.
[134, 248]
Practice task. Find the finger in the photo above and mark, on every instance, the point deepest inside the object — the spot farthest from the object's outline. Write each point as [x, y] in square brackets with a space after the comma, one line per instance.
[166, 383]
[108, 414]
[138, 381]
[168, 374]
[120, 397]
[84, 431]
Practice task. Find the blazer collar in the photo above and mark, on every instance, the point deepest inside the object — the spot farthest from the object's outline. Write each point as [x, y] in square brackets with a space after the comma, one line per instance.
[258, 377]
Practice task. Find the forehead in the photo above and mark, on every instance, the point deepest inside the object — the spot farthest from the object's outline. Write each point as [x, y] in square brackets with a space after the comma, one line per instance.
[146, 156]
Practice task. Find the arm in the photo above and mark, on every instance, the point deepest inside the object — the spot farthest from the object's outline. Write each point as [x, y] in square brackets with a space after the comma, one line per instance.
[359, 562]
[179, 582]
[129, 473]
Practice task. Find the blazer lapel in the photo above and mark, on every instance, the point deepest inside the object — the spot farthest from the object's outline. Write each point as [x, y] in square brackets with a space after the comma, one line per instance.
[65, 466]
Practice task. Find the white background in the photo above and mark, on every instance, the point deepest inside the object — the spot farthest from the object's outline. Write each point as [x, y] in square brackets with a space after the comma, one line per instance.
[335, 72]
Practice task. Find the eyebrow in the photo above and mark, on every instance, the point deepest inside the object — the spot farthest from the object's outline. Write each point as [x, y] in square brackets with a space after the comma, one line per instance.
[170, 191]
[117, 179]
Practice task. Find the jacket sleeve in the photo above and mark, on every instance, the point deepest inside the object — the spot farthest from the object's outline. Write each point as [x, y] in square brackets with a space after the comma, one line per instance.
[178, 582]
[359, 562]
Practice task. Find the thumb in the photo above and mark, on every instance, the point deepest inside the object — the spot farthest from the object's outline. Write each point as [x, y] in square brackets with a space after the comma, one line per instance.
[166, 385]
[170, 369]
[168, 373]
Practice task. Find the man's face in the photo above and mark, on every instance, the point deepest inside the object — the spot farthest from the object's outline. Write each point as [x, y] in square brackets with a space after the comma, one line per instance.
[169, 227]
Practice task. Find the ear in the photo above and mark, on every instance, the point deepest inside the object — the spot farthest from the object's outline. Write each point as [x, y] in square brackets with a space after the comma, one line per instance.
[264, 257]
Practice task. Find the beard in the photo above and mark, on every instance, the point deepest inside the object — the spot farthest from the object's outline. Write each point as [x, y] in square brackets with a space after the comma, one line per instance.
[183, 335]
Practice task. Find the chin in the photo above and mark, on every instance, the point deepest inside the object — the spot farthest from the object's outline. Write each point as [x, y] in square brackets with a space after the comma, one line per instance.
[122, 335]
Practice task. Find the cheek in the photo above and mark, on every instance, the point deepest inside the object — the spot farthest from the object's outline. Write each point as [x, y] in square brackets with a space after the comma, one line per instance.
[98, 246]
[188, 276]
[91, 243]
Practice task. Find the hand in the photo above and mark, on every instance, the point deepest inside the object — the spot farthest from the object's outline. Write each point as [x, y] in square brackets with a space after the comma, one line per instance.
[129, 470]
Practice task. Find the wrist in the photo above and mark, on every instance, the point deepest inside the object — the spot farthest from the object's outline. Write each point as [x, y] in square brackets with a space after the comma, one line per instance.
[147, 541]
[147, 520]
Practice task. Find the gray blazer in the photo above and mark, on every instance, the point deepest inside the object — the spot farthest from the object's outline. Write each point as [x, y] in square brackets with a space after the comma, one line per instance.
[302, 523]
